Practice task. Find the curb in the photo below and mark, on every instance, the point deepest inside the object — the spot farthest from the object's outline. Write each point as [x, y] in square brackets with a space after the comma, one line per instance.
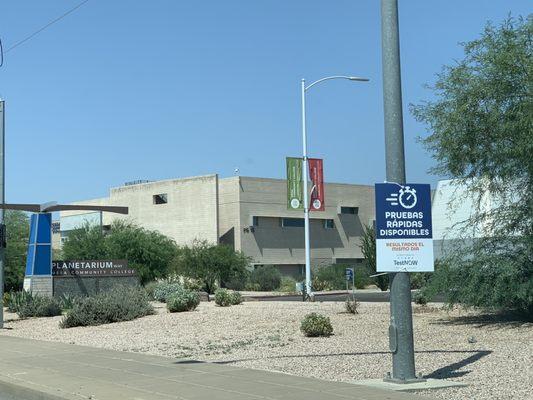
[13, 391]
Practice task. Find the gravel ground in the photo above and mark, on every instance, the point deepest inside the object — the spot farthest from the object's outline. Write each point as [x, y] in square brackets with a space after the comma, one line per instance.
[495, 359]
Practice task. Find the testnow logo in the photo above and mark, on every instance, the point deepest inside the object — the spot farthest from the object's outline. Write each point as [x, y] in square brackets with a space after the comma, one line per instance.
[406, 262]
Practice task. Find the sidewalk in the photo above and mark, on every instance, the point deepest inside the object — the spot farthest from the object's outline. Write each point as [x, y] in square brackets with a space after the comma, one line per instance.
[32, 370]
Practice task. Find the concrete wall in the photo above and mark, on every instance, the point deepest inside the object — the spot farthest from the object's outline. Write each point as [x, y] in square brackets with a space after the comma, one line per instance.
[269, 243]
[190, 212]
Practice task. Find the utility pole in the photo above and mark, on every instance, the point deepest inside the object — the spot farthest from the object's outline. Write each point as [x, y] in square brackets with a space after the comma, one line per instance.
[401, 320]
[2, 201]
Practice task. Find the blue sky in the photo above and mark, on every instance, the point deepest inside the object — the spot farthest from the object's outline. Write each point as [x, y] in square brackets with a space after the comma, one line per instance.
[125, 90]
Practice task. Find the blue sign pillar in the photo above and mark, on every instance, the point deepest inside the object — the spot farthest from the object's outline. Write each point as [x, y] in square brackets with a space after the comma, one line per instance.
[38, 277]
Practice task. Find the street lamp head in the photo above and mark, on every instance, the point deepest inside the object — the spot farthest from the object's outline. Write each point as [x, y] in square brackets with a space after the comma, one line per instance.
[356, 78]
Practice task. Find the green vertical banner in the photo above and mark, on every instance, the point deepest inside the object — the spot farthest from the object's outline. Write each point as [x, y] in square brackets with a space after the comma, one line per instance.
[295, 191]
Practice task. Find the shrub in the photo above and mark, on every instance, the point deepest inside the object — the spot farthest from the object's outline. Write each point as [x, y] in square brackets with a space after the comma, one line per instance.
[236, 298]
[288, 284]
[164, 290]
[420, 298]
[225, 298]
[314, 325]
[267, 277]
[16, 300]
[333, 277]
[121, 304]
[351, 305]
[149, 288]
[67, 301]
[39, 306]
[184, 300]
[320, 285]
[252, 287]
[237, 282]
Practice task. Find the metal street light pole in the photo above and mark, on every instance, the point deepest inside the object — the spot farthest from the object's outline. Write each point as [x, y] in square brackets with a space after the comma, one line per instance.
[401, 341]
[308, 288]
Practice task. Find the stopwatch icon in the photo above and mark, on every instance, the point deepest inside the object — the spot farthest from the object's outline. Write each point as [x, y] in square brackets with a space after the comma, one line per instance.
[407, 197]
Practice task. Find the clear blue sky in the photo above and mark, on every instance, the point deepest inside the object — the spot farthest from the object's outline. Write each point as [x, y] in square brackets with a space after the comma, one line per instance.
[125, 90]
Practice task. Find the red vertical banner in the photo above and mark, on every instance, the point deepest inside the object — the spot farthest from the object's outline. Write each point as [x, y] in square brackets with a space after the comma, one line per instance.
[316, 173]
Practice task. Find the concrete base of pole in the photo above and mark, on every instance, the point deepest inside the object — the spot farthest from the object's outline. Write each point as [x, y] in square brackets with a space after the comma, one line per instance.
[424, 384]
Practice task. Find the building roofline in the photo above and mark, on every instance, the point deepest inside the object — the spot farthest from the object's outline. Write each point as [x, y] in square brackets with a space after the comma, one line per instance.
[284, 180]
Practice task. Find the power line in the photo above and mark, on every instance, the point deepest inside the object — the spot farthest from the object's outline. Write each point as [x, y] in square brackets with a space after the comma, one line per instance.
[45, 26]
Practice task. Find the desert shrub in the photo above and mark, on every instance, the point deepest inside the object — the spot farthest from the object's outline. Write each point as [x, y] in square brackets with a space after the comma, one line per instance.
[236, 298]
[39, 306]
[288, 284]
[419, 279]
[267, 277]
[121, 304]
[320, 285]
[149, 288]
[252, 287]
[351, 305]
[210, 263]
[164, 290]
[16, 300]
[225, 298]
[183, 300]
[237, 282]
[67, 301]
[5, 299]
[333, 277]
[314, 325]
[420, 298]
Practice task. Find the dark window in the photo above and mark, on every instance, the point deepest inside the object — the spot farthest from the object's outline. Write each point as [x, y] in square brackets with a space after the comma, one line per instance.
[56, 227]
[160, 198]
[292, 222]
[329, 224]
[255, 221]
[349, 210]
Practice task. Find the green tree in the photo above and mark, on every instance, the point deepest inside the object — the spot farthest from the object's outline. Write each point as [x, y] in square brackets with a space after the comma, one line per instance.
[481, 134]
[211, 264]
[150, 253]
[18, 230]
[368, 248]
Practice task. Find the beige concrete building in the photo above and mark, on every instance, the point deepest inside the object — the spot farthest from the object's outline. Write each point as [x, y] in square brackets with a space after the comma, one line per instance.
[249, 214]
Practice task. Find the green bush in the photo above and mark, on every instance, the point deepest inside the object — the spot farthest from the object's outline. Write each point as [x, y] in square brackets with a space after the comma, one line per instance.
[16, 300]
[225, 298]
[236, 298]
[252, 287]
[120, 304]
[268, 278]
[39, 306]
[149, 288]
[288, 284]
[184, 300]
[164, 290]
[314, 325]
[237, 282]
[333, 277]
[420, 298]
[67, 301]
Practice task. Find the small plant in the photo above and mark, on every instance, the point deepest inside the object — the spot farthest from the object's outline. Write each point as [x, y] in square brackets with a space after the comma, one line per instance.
[163, 290]
[39, 306]
[267, 277]
[67, 301]
[288, 284]
[149, 288]
[225, 298]
[351, 305]
[184, 300]
[120, 304]
[320, 285]
[236, 298]
[314, 325]
[5, 300]
[420, 298]
[18, 299]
